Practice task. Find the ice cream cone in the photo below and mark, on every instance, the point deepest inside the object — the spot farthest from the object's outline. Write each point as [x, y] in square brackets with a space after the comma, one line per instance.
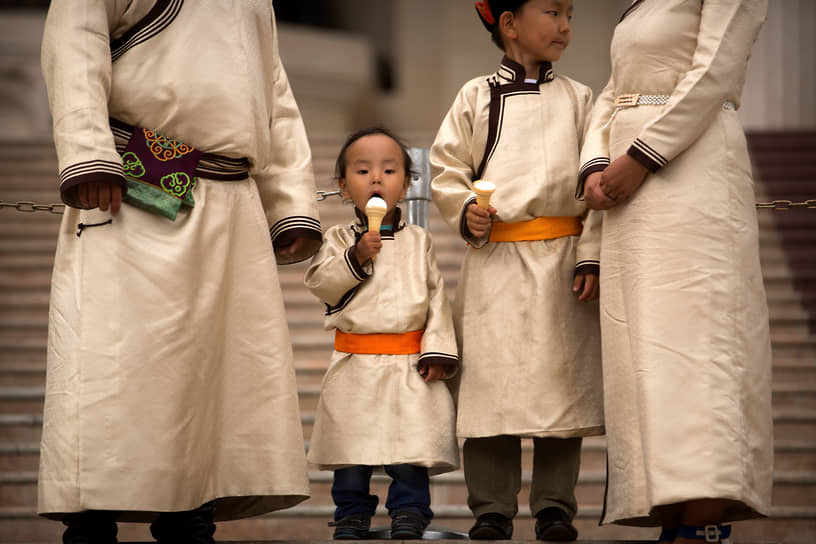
[375, 211]
[483, 190]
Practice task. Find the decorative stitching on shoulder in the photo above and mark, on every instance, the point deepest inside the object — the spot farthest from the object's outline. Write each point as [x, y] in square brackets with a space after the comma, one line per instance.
[157, 19]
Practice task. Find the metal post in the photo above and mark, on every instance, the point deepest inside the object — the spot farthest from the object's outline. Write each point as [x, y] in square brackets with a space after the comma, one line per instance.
[419, 191]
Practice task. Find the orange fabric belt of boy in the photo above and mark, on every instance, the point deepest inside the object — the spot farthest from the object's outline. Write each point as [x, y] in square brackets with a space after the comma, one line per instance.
[379, 344]
[540, 228]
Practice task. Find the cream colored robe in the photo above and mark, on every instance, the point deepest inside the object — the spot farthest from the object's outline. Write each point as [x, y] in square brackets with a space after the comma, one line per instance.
[376, 409]
[687, 361]
[530, 351]
[170, 379]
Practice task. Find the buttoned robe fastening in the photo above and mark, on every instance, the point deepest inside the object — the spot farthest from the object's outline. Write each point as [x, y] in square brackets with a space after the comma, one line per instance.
[170, 380]
[686, 346]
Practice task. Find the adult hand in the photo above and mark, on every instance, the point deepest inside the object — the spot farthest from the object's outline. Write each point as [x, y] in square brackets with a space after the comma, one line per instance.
[622, 178]
[478, 219]
[100, 194]
[586, 287]
[296, 245]
[594, 197]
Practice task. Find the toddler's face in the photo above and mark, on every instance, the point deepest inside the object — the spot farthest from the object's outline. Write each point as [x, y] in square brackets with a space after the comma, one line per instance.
[374, 167]
[544, 29]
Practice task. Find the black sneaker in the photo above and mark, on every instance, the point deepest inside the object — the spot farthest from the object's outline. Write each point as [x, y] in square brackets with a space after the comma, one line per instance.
[492, 526]
[407, 525]
[554, 524]
[351, 527]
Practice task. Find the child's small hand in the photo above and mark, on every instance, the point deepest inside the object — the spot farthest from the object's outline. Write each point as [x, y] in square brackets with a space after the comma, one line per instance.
[586, 287]
[594, 196]
[478, 219]
[432, 373]
[369, 245]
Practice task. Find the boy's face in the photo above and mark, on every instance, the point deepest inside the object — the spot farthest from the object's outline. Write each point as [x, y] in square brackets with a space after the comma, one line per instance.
[374, 167]
[543, 28]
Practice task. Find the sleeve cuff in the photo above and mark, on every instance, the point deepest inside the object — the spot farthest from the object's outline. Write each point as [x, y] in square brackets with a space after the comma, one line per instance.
[587, 267]
[286, 231]
[598, 164]
[450, 362]
[646, 155]
[464, 231]
[74, 176]
[357, 270]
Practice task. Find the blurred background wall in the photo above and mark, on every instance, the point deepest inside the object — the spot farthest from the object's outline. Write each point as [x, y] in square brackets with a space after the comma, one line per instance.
[401, 62]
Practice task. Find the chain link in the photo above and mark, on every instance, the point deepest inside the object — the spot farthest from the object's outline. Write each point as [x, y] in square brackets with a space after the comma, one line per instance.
[28, 206]
[784, 205]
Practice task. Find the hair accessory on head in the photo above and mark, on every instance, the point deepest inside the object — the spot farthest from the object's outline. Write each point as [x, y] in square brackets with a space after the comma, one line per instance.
[483, 9]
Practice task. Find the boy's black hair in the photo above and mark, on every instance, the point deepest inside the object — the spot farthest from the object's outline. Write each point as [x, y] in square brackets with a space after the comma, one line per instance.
[491, 19]
[340, 165]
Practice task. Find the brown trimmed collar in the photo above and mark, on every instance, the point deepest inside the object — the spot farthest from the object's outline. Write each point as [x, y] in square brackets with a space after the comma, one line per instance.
[511, 71]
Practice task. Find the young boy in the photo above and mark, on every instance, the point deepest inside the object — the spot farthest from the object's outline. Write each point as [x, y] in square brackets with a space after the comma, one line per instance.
[529, 335]
[382, 403]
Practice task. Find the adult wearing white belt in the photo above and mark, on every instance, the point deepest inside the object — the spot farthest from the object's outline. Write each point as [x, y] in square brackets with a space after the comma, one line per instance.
[686, 350]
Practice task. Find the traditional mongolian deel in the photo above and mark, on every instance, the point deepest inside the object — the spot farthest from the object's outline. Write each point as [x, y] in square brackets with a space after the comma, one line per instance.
[376, 409]
[687, 357]
[170, 379]
[524, 137]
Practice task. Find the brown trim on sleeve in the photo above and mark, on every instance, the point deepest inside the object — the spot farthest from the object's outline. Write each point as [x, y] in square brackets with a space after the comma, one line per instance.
[438, 358]
[587, 267]
[354, 264]
[646, 155]
[598, 164]
[73, 176]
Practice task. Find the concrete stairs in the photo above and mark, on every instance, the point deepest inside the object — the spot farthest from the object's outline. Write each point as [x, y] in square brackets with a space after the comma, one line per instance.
[27, 243]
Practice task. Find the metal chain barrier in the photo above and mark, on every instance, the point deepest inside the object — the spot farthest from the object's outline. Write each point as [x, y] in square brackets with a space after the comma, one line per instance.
[785, 205]
[57, 209]
[29, 207]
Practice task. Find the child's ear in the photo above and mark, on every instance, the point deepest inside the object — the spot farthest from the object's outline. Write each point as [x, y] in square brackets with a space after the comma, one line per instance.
[507, 25]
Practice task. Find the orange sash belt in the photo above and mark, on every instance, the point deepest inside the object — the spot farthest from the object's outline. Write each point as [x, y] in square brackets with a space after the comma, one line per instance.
[540, 228]
[381, 344]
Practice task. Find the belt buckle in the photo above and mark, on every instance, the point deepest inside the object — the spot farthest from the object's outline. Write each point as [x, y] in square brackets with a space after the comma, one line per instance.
[626, 100]
[711, 533]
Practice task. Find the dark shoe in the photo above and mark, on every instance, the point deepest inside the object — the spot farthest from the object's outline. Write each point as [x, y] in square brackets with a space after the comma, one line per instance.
[407, 525]
[554, 524]
[492, 526]
[351, 527]
[185, 527]
[90, 527]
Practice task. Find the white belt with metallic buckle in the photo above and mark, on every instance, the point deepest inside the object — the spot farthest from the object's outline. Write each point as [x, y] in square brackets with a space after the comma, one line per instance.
[636, 99]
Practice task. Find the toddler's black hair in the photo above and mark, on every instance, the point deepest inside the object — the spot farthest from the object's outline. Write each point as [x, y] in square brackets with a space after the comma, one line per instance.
[340, 165]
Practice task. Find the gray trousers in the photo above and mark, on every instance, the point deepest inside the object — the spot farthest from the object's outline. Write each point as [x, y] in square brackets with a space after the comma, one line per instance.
[492, 468]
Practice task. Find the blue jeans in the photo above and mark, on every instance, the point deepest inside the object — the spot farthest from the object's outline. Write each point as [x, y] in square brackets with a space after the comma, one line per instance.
[409, 490]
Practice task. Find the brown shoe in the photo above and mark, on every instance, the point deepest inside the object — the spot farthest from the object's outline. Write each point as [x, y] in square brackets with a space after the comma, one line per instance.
[492, 526]
[554, 524]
